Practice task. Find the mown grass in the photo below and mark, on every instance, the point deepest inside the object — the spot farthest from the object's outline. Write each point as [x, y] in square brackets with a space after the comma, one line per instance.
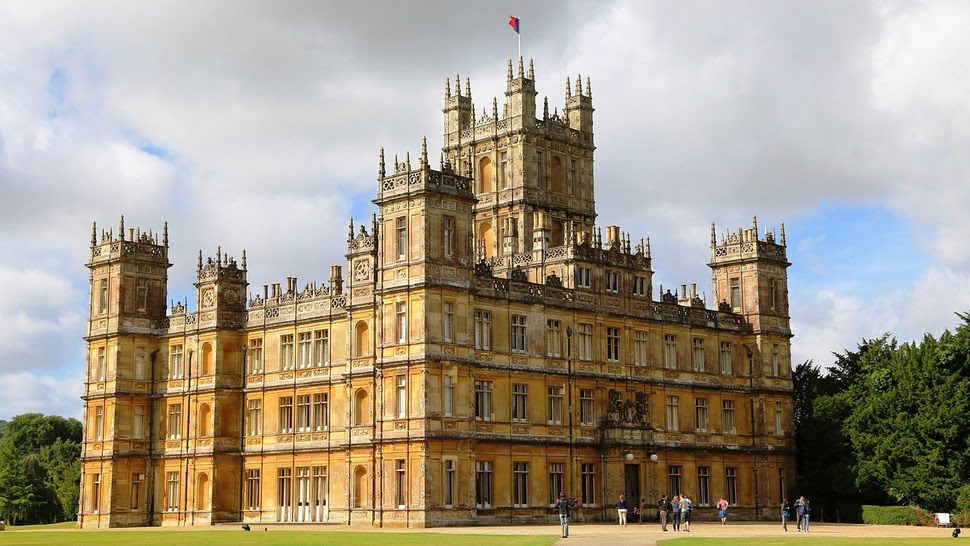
[61, 525]
[241, 538]
[806, 540]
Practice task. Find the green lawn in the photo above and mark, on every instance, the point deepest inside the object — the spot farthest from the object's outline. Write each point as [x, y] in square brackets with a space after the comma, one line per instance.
[239, 538]
[61, 525]
[806, 540]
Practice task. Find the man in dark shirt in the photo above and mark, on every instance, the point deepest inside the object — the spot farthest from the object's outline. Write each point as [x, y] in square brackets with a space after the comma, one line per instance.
[664, 506]
[565, 507]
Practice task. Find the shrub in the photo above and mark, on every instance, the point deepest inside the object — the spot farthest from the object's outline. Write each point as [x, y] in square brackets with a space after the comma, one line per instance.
[895, 515]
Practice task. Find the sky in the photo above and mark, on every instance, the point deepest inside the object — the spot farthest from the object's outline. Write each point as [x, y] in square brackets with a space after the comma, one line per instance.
[257, 125]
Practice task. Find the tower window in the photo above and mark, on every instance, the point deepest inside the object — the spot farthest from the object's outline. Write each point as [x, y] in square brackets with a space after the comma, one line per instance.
[402, 322]
[448, 236]
[572, 177]
[143, 295]
[538, 169]
[503, 173]
[103, 303]
[735, 292]
[612, 281]
[773, 294]
[402, 238]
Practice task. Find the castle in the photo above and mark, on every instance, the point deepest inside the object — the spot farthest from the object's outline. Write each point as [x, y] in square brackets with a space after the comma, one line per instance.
[488, 348]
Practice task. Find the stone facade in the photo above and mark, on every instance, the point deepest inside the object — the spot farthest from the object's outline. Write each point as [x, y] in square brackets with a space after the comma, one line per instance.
[488, 348]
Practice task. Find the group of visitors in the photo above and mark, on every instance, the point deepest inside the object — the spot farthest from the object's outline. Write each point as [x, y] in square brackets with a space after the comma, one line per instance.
[803, 510]
[677, 511]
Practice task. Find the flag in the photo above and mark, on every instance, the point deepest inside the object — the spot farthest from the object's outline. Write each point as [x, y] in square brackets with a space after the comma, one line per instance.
[514, 23]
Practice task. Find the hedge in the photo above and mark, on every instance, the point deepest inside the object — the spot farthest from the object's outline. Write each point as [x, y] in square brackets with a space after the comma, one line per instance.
[895, 515]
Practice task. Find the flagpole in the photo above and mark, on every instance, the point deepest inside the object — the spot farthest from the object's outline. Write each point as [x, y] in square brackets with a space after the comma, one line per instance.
[519, 34]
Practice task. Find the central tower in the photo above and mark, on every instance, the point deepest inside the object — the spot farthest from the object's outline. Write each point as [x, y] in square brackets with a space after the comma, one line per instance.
[533, 177]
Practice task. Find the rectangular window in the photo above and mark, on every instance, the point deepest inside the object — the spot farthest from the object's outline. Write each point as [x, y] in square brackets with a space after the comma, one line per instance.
[517, 337]
[172, 498]
[137, 480]
[483, 484]
[613, 344]
[448, 235]
[401, 492]
[402, 322]
[520, 485]
[449, 396]
[673, 479]
[588, 493]
[673, 413]
[103, 302]
[321, 411]
[697, 355]
[583, 277]
[102, 365]
[736, 292]
[174, 421]
[138, 423]
[612, 281]
[553, 338]
[140, 363]
[520, 403]
[286, 414]
[254, 417]
[305, 350]
[554, 415]
[321, 347]
[700, 414]
[448, 323]
[584, 347]
[286, 352]
[731, 484]
[142, 295]
[483, 400]
[640, 348]
[727, 367]
[483, 330]
[704, 485]
[402, 238]
[175, 366]
[401, 396]
[449, 491]
[284, 494]
[572, 177]
[782, 488]
[587, 418]
[670, 351]
[252, 489]
[319, 492]
[772, 293]
[538, 169]
[303, 413]
[639, 286]
[96, 492]
[503, 171]
[556, 474]
[728, 417]
[255, 356]
[99, 422]
[775, 361]
[779, 414]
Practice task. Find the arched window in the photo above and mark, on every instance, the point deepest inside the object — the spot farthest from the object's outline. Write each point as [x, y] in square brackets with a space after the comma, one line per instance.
[361, 409]
[202, 498]
[360, 487]
[363, 339]
[486, 239]
[485, 175]
[555, 181]
[205, 417]
[206, 359]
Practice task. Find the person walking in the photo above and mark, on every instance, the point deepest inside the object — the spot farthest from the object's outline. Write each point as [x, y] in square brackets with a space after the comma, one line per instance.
[675, 512]
[798, 513]
[621, 511]
[663, 505]
[807, 511]
[565, 506]
[785, 514]
[685, 509]
[722, 510]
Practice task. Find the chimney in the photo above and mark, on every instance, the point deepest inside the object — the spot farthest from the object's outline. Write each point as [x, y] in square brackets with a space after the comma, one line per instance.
[336, 281]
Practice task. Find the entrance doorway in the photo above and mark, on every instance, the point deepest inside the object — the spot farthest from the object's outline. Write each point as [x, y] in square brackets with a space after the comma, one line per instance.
[631, 486]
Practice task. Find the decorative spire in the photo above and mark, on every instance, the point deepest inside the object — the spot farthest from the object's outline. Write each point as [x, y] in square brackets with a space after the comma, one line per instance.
[579, 84]
[447, 88]
[407, 161]
[510, 71]
[458, 85]
[521, 68]
[648, 247]
[545, 107]
[424, 151]
[754, 222]
[783, 234]
[495, 108]
[244, 259]
[713, 235]
[380, 170]
[589, 89]
[200, 259]
[121, 228]
[441, 161]
[219, 255]
[468, 87]
[532, 72]
[165, 234]
[396, 164]
[569, 90]
[350, 230]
